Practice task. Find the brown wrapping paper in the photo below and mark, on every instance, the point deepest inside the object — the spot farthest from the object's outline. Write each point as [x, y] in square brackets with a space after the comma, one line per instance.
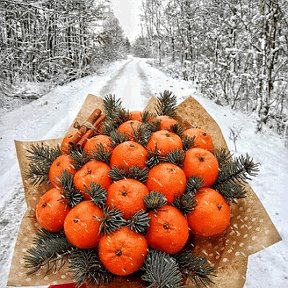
[251, 229]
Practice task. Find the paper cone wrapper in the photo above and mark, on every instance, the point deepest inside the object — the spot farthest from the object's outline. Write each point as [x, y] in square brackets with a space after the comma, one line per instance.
[251, 229]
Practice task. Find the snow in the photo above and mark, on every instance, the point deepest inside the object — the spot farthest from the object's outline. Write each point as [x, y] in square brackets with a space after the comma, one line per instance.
[135, 81]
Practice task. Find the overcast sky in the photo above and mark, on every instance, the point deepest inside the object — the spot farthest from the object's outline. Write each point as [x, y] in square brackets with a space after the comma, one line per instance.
[127, 11]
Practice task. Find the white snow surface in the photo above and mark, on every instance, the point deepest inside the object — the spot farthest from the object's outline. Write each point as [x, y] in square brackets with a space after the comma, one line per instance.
[134, 81]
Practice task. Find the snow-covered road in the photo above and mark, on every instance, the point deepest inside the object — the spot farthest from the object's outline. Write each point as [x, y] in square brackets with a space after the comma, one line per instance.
[134, 81]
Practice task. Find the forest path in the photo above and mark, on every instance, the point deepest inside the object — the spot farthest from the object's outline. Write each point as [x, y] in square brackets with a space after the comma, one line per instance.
[131, 83]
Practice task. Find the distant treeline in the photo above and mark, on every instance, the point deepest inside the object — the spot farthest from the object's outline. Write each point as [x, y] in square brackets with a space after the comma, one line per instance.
[235, 51]
[56, 40]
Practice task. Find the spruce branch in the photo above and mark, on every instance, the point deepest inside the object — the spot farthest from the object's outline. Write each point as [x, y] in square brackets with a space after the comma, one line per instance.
[223, 157]
[41, 157]
[193, 184]
[195, 268]
[146, 116]
[154, 158]
[50, 251]
[161, 270]
[139, 222]
[98, 194]
[86, 267]
[166, 104]
[232, 191]
[114, 111]
[176, 157]
[188, 142]
[177, 129]
[142, 134]
[79, 157]
[113, 219]
[111, 105]
[235, 173]
[102, 154]
[154, 200]
[133, 172]
[117, 138]
[70, 192]
[185, 203]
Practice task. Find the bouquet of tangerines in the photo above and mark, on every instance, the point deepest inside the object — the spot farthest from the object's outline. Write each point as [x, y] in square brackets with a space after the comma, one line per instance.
[129, 191]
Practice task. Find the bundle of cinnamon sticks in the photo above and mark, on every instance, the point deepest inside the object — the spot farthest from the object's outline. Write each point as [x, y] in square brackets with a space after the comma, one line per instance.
[85, 131]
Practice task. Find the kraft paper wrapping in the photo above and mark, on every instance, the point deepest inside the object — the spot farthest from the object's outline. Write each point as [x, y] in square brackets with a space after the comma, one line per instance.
[251, 229]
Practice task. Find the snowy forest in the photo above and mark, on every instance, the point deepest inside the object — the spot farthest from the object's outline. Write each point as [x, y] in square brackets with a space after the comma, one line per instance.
[55, 41]
[234, 51]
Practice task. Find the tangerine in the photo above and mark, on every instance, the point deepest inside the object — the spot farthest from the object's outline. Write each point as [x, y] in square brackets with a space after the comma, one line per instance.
[168, 230]
[165, 122]
[51, 210]
[82, 225]
[211, 216]
[123, 252]
[168, 179]
[61, 163]
[129, 128]
[128, 154]
[127, 195]
[93, 143]
[201, 163]
[164, 142]
[93, 171]
[135, 115]
[201, 138]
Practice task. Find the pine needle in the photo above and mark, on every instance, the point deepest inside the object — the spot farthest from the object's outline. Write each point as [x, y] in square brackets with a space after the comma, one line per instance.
[112, 221]
[196, 268]
[85, 266]
[73, 195]
[41, 157]
[233, 176]
[102, 154]
[175, 157]
[155, 200]
[166, 104]
[79, 157]
[133, 172]
[185, 203]
[98, 194]
[139, 222]
[50, 251]
[161, 270]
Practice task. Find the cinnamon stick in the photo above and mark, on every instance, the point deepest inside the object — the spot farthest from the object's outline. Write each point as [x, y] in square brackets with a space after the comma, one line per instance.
[90, 133]
[84, 127]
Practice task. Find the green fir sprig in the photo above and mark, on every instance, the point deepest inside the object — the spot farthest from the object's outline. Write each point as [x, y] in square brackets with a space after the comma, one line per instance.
[50, 251]
[79, 157]
[133, 172]
[41, 157]
[161, 270]
[86, 267]
[70, 192]
[234, 174]
[155, 200]
[112, 220]
[102, 154]
[185, 203]
[139, 222]
[98, 194]
[175, 157]
[195, 268]
[188, 142]
[166, 104]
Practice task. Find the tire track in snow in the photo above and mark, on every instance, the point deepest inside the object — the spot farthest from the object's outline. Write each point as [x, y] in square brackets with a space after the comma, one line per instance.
[107, 88]
[130, 84]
